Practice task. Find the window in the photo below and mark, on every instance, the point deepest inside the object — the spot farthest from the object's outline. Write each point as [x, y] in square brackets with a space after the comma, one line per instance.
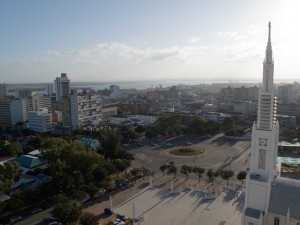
[276, 221]
[262, 159]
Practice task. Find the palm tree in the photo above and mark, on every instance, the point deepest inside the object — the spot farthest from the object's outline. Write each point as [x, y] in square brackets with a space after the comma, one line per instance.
[162, 168]
[226, 175]
[212, 175]
[199, 171]
[241, 176]
[186, 170]
[173, 169]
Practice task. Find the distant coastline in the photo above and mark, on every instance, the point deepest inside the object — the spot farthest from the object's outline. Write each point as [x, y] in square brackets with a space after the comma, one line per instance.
[142, 84]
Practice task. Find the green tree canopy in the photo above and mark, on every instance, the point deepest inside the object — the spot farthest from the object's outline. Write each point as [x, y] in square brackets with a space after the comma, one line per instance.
[199, 171]
[226, 175]
[186, 170]
[88, 218]
[212, 175]
[163, 168]
[8, 175]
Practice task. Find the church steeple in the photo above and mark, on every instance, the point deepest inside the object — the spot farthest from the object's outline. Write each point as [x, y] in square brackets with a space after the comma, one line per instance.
[268, 65]
[267, 105]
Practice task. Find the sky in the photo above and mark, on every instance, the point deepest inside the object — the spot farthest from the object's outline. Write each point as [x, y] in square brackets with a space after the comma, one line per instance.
[99, 41]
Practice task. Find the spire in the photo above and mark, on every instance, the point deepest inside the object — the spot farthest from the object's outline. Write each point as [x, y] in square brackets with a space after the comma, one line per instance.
[269, 40]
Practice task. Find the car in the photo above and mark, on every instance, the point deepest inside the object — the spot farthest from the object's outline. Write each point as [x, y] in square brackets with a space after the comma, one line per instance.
[153, 144]
[188, 143]
[108, 211]
[169, 144]
[139, 144]
[118, 221]
[54, 223]
[171, 163]
[15, 219]
[35, 210]
[122, 217]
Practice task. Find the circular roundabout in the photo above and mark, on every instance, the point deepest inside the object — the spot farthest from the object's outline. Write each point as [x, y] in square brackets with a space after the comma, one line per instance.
[186, 151]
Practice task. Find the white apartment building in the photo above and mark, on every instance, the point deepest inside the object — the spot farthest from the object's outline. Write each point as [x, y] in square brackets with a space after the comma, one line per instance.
[40, 120]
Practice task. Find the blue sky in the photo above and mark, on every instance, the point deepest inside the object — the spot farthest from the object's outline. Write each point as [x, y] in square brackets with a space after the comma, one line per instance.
[145, 40]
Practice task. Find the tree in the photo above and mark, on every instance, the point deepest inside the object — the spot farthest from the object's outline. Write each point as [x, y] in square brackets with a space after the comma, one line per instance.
[241, 176]
[140, 129]
[173, 169]
[212, 175]
[197, 126]
[88, 218]
[226, 175]
[162, 168]
[8, 175]
[121, 165]
[110, 142]
[14, 148]
[199, 171]
[186, 170]
[66, 213]
[67, 174]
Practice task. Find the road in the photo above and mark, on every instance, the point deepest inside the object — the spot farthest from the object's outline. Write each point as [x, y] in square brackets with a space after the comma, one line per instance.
[219, 153]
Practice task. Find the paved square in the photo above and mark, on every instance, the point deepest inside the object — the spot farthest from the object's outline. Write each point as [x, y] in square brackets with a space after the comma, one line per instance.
[185, 208]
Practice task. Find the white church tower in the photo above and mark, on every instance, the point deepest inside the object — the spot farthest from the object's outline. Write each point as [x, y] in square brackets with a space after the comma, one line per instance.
[264, 144]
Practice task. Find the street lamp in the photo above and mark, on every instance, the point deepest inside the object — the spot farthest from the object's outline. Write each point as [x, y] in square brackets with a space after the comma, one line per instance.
[195, 157]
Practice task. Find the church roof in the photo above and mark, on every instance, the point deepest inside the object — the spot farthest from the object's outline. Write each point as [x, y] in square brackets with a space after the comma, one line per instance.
[285, 194]
[253, 213]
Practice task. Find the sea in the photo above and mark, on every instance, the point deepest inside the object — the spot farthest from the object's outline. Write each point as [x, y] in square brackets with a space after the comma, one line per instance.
[138, 84]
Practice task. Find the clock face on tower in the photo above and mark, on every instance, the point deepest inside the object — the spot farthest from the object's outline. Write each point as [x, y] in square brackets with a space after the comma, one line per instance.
[263, 142]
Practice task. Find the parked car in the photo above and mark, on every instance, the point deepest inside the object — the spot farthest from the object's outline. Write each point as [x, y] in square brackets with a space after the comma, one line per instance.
[35, 210]
[122, 217]
[171, 163]
[108, 211]
[15, 219]
[153, 144]
[118, 221]
[169, 144]
[188, 143]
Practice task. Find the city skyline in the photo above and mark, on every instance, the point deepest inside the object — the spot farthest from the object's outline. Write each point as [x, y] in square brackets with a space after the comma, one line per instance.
[129, 40]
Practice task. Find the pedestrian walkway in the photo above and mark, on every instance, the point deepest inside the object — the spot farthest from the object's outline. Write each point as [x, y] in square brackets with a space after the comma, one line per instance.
[188, 207]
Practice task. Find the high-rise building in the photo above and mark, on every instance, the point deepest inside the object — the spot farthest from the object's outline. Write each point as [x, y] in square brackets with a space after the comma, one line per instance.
[114, 91]
[12, 110]
[70, 110]
[89, 108]
[3, 90]
[49, 89]
[36, 102]
[62, 87]
[269, 198]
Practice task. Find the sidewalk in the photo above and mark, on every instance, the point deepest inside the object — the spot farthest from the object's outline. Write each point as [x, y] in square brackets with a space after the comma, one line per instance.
[185, 207]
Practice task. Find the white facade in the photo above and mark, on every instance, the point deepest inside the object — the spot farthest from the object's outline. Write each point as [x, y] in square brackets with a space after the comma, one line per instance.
[89, 108]
[268, 198]
[40, 121]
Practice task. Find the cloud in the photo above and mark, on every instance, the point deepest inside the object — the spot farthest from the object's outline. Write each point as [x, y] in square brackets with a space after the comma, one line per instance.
[194, 40]
[123, 52]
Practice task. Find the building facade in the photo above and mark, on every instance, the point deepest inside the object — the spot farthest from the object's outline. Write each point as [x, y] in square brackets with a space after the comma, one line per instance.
[12, 110]
[62, 87]
[269, 199]
[40, 120]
